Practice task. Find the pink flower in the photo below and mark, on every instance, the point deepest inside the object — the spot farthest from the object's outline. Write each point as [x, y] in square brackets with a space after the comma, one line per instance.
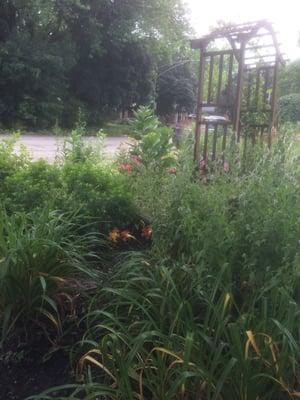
[226, 166]
[202, 167]
[135, 159]
[126, 167]
[172, 170]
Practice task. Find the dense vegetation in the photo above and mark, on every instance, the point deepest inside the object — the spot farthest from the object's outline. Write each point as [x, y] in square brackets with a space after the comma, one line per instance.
[289, 108]
[139, 277]
[102, 57]
[154, 281]
[289, 92]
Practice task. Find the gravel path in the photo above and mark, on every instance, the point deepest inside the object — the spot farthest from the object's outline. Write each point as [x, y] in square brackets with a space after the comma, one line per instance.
[48, 147]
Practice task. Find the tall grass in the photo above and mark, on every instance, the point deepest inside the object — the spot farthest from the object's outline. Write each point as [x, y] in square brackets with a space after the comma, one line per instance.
[248, 218]
[39, 253]
[169, 331]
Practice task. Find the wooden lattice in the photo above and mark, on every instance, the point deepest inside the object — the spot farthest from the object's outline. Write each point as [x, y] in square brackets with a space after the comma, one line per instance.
[240, 82]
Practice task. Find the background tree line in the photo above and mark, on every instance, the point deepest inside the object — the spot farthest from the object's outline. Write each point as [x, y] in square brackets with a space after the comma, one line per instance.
[289, 92]
[100, 56]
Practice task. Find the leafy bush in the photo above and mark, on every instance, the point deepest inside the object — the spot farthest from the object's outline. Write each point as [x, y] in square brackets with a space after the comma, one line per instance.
[32, 186]
[39, 253]
[144, 121]
[154, 147]
[81, 181]
[100, 193]
[289, 108]
[9, 161]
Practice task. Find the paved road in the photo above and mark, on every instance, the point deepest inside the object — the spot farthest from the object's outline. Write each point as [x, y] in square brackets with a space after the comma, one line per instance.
[48, 147]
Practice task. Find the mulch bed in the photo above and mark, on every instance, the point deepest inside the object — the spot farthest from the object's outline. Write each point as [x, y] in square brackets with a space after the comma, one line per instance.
[24, 372]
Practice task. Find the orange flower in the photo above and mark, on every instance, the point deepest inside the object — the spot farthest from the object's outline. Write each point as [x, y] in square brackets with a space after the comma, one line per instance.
[146, 232]
[114, 235]
[125, 235]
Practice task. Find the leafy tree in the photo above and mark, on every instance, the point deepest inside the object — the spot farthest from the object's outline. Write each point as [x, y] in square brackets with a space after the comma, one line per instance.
[290, 79]
[33, 66]
[176, 88]
[57, 56]
[289, 108]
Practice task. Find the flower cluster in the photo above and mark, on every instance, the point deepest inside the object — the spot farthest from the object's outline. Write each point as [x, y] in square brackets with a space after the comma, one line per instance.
[117, 234]
[126, 167]
[131, 164]
[146, 232]
[124, 235]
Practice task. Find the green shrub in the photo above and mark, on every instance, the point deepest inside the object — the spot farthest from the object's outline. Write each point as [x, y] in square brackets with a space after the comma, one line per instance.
[10, 161]
[289, 108]
[154, 146]
[101, 194]
[32, 186]
[144, 121]
[82, 181]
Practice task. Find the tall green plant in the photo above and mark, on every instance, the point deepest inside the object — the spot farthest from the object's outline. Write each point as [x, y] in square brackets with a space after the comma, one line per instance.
[39, 253]
[172, 331]
[154, 146]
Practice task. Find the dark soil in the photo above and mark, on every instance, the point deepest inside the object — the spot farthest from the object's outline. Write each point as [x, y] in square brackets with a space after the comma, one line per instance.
[25, 372]
[38, 359]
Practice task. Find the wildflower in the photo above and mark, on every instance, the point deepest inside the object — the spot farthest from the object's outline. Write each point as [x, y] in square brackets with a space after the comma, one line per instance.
[226, 166]
[125, 235]
[114, 235]
[172, 170]
[126, 167]
[202, 167]
[135, 159]
[146, 232]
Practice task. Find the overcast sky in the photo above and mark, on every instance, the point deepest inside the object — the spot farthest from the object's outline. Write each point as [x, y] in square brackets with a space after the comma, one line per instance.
[285, 14]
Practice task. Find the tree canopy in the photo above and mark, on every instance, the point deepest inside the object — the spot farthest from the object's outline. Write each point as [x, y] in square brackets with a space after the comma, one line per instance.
[57, 56]
[290, 79]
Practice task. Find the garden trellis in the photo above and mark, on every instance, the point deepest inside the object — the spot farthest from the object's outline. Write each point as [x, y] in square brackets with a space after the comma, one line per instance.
[239, 81]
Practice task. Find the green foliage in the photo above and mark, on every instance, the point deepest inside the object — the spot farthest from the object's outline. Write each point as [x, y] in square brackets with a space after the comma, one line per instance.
[144, 121]
[176, 87]
[9, 161]
[210, 311]
[248, 218]
[101, 195]
[81, 181]
[213, 310]
[289, 108]
[31, 187]
[48, 47]
[289, 79]
[171, 331]
[39, 252]
[154, 147]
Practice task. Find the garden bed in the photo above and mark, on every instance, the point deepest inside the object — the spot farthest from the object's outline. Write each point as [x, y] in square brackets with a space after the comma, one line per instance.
[144, 278]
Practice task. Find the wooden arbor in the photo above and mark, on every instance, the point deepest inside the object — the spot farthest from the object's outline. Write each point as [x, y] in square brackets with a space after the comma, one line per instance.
[238, 82]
